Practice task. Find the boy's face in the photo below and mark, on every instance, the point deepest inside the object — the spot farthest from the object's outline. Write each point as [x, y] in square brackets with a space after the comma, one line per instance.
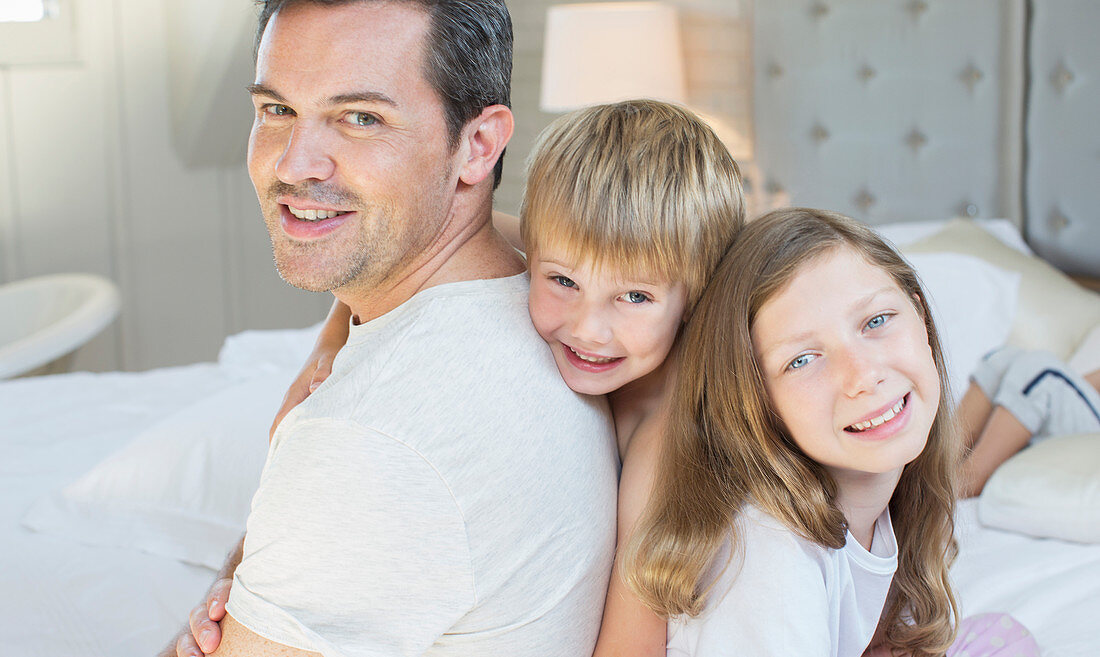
[605, 329]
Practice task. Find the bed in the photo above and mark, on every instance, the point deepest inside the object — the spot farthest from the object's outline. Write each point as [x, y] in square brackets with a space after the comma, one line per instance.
[120, 492]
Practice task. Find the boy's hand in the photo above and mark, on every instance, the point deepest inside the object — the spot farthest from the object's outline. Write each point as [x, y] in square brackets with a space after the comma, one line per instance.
[315, 371]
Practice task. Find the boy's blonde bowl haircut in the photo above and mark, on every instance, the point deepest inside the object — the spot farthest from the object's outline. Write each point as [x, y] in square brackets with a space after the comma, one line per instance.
[642, 186]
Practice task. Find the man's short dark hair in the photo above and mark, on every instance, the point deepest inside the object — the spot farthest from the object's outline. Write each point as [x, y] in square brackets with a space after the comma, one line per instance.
[468, 60]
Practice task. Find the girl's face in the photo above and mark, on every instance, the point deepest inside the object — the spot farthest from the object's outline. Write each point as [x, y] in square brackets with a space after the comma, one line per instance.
[604, 329]
[847, 365]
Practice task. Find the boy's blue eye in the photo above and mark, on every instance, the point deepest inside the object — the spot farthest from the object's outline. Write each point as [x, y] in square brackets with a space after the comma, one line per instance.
[636, 297]
[564, 281]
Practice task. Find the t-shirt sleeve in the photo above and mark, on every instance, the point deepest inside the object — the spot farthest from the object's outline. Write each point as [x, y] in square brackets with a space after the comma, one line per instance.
[393, 571]
[773, 602]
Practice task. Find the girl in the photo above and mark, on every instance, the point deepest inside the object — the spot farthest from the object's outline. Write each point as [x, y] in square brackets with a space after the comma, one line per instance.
[804, 501]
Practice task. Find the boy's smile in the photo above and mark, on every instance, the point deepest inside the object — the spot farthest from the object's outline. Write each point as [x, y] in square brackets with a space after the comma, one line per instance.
[605, 329]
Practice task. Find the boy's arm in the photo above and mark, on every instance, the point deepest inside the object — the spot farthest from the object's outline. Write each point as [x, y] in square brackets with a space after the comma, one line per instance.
[1002, 436]
[629, 628]
[334, 335]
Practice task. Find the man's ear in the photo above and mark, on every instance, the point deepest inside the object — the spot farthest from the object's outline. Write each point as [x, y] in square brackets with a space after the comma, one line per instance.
[485, 135]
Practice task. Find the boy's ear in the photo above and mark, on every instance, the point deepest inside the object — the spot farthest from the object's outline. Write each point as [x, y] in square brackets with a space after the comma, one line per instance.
[485, 137]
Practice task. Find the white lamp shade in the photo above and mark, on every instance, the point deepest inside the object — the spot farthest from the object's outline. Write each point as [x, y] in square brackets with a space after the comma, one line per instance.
[606, 52]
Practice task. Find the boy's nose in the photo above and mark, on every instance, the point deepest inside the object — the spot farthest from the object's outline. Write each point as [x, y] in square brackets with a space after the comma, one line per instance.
[305, 156]
[590, 327]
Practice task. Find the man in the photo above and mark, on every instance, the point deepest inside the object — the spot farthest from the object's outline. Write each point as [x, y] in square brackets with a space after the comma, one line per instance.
[443, 492]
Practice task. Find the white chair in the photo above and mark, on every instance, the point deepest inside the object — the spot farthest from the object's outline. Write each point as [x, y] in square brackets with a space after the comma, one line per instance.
[44, 320]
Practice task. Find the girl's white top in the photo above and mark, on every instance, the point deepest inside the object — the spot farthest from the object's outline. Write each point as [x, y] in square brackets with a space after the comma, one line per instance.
[783, 595]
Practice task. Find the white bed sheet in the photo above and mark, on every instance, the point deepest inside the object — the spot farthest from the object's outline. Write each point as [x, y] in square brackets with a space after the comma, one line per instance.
[60, 598]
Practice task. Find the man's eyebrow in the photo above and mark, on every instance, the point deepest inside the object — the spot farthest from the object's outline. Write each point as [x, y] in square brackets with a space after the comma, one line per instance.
[261, 90]
[340, 99]
[362, 97]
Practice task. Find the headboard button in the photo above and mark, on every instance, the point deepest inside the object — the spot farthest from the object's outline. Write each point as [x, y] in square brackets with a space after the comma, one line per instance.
[819, 134]
[916, 140]
[968, 209]
[866, 73]
[917, 8]
[971, 76]
[864, 200]
[1058, 221]
[775, 70]
[1061, 77]
[819, 10]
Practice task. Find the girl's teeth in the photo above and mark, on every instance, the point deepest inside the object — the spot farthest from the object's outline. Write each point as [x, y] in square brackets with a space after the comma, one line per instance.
[876, 421]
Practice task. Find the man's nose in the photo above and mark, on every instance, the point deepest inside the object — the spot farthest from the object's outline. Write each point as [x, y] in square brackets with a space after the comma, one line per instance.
[306, 156]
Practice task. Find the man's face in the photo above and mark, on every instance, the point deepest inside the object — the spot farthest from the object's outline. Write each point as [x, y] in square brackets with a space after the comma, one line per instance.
[349, 151]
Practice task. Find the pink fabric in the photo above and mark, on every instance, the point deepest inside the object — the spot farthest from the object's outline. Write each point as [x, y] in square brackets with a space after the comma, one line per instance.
[993, 635]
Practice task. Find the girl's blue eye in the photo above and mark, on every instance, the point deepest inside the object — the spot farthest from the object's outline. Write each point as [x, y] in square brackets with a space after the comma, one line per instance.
[876, 321]
[636, 297]
[800, 362]
[563, 281]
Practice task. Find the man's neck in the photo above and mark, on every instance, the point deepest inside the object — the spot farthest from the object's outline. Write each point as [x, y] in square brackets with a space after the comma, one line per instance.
[470, 251]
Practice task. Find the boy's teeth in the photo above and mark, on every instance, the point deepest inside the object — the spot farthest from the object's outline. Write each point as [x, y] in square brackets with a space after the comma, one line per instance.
[589, 359]
[314, 215]
[885, 417]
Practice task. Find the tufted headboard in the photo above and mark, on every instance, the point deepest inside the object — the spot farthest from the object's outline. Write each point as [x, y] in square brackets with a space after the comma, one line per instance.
[899, 110]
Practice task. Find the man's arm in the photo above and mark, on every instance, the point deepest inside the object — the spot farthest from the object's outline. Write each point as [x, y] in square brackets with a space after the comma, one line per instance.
[205, 634]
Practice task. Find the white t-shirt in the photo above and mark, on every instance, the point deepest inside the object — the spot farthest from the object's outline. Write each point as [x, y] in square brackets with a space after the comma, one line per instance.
[790, 597]
[442, 493]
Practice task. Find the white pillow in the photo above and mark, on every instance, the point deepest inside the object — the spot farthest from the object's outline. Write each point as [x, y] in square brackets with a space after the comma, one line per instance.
[264, 352]
[1050, 489]
[182, 488]
[973, 304]
[1054, 313]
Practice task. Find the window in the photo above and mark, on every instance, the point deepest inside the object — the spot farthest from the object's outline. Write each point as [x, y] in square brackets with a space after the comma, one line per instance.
[37, 32]
[22, 11]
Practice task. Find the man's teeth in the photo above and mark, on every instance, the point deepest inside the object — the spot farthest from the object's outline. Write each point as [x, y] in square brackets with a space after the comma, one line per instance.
[590, 359]
[315, 215]
[885, 417]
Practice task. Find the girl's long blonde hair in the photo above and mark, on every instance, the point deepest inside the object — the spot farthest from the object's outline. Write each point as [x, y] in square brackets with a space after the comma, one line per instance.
[726, 446]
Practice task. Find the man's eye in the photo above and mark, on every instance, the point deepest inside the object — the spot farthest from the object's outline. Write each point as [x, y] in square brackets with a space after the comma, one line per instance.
[564, 281]
[362, 119]
[636, 297]
[278, 110]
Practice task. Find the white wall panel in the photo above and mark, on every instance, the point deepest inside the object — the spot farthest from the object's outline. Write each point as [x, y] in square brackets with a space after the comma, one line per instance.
[9, 253]
[59, 143]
